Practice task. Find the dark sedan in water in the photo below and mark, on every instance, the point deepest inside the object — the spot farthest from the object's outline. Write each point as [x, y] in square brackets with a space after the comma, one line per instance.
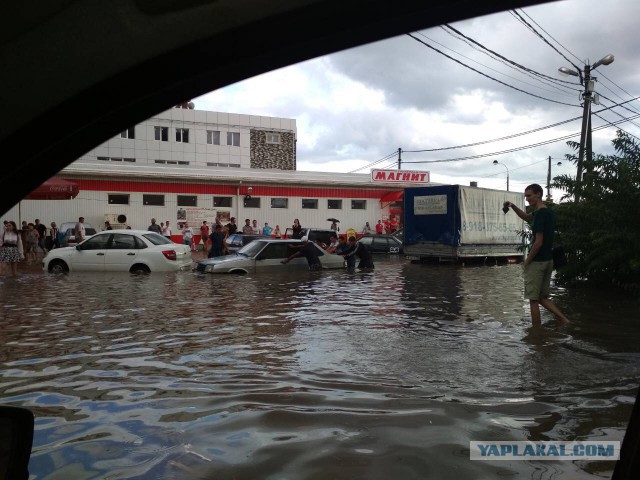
[382, 243]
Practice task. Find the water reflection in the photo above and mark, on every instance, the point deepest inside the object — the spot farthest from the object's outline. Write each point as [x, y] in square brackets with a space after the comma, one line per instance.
[310, 375]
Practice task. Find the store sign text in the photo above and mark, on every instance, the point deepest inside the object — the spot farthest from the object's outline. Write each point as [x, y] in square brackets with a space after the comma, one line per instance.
[402, 176]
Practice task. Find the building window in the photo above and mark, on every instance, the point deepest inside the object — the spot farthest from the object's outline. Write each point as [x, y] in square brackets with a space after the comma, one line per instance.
[273, 137]
[233, 139]
[129, 160]
[187, 200]
[118, 199]
[155, 200]
[334, 204]
[103, 159]
[311, 203]
[161, 133]
[128, 133]
[222, 202]
[279, 203]
[253, 202]
[213, 137]
[116, 159]
[171, 162]
[358, 204]
[182, 135]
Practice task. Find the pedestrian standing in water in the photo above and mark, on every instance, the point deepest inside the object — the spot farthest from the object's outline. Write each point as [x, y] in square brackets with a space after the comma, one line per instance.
[187, 235]
[309, 251]
[11, 249]
[538, 265]
[218, 246]
[360, 250]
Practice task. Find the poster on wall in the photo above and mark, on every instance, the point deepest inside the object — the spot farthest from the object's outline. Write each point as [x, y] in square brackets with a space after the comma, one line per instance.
[195, 216]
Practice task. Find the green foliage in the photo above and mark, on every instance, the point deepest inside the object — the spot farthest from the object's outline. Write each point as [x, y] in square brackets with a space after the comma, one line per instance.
[601, 232]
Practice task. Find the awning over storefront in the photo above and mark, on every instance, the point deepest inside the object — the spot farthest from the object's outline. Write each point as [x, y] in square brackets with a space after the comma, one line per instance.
[54, 189]
[391, 197]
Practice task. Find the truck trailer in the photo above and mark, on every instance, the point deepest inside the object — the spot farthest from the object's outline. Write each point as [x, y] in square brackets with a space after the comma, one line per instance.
[456, 222]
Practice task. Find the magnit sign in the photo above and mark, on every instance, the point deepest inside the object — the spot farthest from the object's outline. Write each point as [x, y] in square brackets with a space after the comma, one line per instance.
[399, 176]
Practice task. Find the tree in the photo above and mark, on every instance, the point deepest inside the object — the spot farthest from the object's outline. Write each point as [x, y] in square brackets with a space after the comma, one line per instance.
[601, 232]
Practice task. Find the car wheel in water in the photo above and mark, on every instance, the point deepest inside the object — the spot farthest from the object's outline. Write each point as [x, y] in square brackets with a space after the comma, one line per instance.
[58, 266]
[139, 269]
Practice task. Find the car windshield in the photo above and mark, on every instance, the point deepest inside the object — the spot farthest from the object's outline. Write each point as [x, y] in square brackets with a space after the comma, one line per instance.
[252, 249]
[157, 239]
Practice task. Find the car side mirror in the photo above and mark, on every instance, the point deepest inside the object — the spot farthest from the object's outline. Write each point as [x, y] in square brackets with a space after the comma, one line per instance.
[78, 247]
[260, 257]
[16, 438]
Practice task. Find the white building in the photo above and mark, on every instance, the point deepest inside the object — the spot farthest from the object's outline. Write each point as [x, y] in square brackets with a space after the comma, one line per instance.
[191, 165]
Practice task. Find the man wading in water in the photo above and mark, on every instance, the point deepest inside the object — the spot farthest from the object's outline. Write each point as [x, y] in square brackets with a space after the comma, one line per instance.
[538, 265]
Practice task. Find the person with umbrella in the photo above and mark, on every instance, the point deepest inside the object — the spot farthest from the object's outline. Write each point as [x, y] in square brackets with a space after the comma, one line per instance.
[334, 224]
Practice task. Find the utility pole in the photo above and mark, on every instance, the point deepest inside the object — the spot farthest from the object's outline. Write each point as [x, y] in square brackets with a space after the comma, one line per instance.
[585, 134]
[399, 159]
[586, 124]
[549, 180]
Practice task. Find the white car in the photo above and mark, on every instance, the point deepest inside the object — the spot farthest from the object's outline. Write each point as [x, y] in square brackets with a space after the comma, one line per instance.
[135, 251]
[265, 256]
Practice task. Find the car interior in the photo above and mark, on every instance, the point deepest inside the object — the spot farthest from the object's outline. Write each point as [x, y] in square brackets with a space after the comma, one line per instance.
[77, 73]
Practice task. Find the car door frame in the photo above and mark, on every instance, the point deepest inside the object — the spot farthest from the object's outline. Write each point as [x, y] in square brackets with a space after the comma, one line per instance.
[89, 259]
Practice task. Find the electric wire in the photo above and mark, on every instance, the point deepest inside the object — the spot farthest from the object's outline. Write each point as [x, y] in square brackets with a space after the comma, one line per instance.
[522, 67]
[555, 86]
[488, 76]
[516, 149]
[550, 36]
[515, 135]
[611, 124]
[375, 163]
[530, 27]
[550, 81]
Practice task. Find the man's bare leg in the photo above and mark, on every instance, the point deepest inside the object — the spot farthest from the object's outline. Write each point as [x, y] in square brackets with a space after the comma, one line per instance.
[549, 305]
[534, 305]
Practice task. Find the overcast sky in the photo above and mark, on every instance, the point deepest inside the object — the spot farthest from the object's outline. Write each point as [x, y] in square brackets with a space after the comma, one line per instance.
[358, 106]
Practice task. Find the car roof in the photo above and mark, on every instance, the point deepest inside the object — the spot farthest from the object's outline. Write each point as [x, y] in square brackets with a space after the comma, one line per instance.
[127, 231]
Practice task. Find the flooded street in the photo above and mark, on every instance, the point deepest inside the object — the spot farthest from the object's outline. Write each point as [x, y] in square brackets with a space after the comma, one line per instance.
[312, 375]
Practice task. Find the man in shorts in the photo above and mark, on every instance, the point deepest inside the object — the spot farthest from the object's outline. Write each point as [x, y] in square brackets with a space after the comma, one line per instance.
[538, 265]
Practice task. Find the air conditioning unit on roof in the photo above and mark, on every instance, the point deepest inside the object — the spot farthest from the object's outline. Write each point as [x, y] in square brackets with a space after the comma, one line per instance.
[116, 220]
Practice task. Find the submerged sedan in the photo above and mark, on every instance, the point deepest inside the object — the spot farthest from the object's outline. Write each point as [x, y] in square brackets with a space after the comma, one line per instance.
[265, 255]
[135, 251]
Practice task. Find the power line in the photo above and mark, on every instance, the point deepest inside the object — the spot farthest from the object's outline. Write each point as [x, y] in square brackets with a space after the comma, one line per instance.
[522, 67]
[488, 76]
[549, 35]
[530, 27]
[603, 75]
[515, 134]
[376, 162]
[612, 125]
[517, 149]
[555, 83]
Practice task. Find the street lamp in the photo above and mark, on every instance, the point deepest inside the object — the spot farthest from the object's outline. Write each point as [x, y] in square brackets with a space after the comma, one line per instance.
[496, 162]
[549, 179]
[585, 135]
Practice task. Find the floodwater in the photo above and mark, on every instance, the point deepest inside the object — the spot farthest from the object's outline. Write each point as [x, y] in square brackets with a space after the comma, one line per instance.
[313, 375]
